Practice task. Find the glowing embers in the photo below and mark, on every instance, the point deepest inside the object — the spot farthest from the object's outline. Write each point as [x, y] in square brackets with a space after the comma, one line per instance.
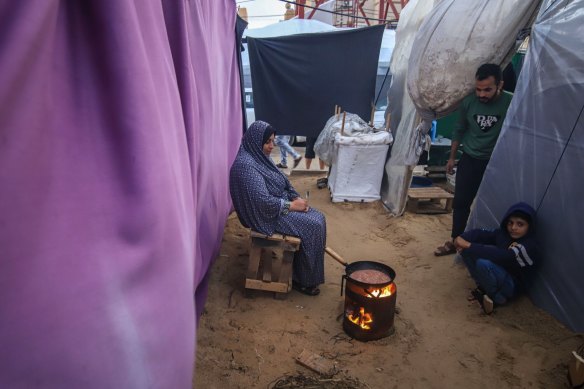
[362, 319]
[383, 292]
[369, 307]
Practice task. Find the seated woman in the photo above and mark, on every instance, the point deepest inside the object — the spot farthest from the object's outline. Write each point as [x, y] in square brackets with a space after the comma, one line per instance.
[266, 202]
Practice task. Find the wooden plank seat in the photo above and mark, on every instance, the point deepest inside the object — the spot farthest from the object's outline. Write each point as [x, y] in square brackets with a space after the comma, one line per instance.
[270, 262]
[433, 196]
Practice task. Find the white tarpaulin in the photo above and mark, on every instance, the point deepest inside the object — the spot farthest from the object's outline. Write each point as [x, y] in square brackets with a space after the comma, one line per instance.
[289, 27]
[539, 158]
[397, 175]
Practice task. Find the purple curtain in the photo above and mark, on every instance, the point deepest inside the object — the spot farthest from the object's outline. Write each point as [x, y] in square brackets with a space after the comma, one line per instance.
[119, 120]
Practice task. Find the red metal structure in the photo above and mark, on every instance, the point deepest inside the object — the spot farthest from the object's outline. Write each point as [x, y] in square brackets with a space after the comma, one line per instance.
[355, 13]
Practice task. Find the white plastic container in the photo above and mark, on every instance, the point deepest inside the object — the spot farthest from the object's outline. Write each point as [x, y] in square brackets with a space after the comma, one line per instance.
[357, 167]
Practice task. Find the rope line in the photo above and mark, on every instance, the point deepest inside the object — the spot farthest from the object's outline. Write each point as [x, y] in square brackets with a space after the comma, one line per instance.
[560, 159]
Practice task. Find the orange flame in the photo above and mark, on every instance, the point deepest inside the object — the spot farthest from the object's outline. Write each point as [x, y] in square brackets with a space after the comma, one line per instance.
[362, 319]
[383, 292]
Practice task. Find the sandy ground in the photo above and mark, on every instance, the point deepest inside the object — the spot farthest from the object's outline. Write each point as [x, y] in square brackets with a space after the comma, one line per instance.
[441, 340]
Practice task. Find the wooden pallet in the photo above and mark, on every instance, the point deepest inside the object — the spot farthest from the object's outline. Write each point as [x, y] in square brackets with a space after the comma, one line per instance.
[270, 262]
[429, 200]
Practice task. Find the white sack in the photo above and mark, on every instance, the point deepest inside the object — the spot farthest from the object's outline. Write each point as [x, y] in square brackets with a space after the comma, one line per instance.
[355, 131]
[455, 39]
[371, 138]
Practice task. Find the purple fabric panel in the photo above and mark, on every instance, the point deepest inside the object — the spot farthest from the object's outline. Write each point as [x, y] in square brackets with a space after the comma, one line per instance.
[114, 159]
[211, 104]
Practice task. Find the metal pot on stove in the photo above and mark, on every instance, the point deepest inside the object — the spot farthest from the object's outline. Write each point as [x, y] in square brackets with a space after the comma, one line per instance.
[370, 298]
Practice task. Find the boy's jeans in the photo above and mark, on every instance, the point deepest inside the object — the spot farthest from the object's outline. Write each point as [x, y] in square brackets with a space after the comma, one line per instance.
[282, 142]
[492, 278]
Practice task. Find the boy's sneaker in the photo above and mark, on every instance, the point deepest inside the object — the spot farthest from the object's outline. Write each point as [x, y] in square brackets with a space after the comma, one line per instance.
[281, 166]
[483, 299]
[487, 304]
[475, 294]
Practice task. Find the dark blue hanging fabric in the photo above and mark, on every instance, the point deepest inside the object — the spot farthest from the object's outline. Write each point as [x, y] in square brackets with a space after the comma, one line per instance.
[298, 79]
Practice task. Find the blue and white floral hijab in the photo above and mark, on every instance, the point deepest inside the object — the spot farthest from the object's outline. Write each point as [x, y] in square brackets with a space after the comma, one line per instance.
[257, 186]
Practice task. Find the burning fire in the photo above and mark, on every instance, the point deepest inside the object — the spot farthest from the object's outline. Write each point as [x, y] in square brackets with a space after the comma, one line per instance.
[362, 319]
[383, 292]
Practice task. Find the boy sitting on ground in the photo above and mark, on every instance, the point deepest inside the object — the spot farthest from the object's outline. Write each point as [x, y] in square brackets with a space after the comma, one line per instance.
[497, 259]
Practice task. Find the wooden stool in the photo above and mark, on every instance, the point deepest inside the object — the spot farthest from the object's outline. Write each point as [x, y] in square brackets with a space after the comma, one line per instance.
[434, 195]
[270, 262]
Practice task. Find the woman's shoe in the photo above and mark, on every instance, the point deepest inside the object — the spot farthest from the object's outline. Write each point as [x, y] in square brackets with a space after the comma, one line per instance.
[307, 290]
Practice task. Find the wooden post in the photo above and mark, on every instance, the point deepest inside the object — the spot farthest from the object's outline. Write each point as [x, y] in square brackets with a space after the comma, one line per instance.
[372, 114]
[343, 124]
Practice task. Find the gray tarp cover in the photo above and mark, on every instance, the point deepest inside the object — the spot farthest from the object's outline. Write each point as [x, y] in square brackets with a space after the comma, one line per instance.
[297, 80]
[539, 158]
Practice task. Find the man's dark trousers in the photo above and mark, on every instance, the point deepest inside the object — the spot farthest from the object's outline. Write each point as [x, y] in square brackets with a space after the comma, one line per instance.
[469, 175]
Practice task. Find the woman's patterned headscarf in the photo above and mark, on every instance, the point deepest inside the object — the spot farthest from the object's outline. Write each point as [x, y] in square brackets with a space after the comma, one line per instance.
[253, 142]
[257, 186]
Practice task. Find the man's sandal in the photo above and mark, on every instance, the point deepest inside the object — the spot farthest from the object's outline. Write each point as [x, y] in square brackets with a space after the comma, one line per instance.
[446, 249]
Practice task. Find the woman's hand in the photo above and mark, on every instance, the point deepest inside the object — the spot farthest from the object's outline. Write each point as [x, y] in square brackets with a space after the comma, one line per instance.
[461, 244]
[299, 205]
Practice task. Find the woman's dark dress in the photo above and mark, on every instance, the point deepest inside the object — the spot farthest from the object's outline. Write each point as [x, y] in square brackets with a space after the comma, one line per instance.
[258, 190]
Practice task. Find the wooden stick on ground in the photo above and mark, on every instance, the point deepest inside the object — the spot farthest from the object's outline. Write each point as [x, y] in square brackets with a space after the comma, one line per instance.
[372, 114]
[317, 363]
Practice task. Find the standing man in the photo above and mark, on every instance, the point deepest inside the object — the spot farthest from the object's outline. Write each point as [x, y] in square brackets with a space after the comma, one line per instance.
[481, 116]
[309, 153]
